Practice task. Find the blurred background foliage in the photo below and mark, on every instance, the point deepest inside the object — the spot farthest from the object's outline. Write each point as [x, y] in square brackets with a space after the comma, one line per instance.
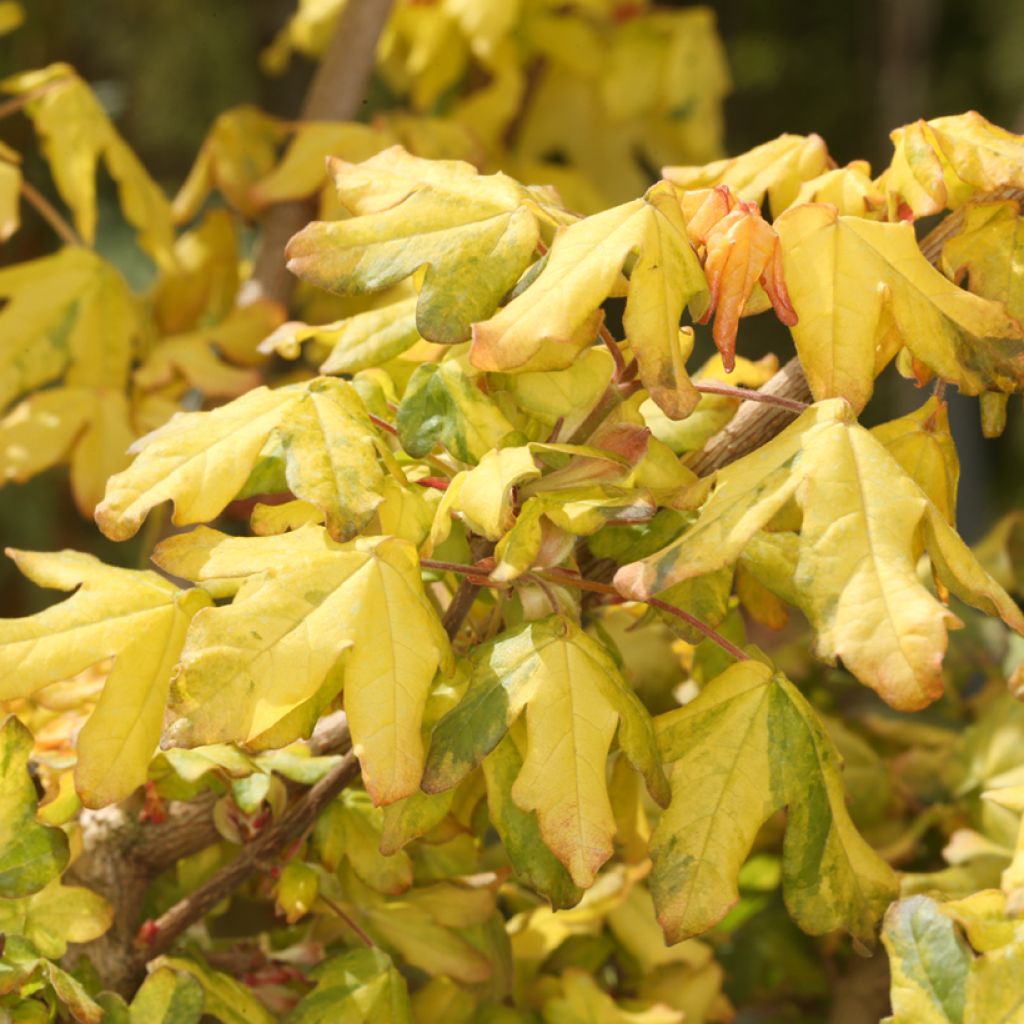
[165, 69]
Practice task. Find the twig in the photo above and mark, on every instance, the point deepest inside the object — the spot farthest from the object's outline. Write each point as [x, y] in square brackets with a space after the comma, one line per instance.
[293, 824]
[347, 918]
[389, 428]
[336, 94]
[613, 346]
[12, 106]
[49, 213]
[711, 387]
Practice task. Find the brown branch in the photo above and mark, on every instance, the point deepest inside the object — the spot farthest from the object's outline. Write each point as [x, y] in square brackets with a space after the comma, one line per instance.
[267, 846]
[50, 214]
[336, 94]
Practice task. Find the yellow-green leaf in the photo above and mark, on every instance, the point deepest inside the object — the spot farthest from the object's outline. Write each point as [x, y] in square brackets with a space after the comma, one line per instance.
[319, 430]
[55, 916]
[167, 997]
[864, 289]
[746, 747]
[310, 617]
[76, 134]
[224, 997]
[410, 214]
[550, 322]
[357, 987]
[864, 522]
[574, 698]
[31, 855]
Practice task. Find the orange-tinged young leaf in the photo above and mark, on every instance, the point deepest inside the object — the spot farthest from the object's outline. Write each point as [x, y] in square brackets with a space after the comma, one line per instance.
[574, 697]
[777, 169]
[942, 163]
[309, 618]
[137, 617]
[864, 521]
[70, 313]
[316, 436]
[77, 134]
[740, 249]
[863, 289]
[546, 326]
[409, 214]
[747, 746]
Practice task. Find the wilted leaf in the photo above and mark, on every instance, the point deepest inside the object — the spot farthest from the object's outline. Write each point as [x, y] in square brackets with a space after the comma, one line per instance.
[574, 698]
[746, 747]
[318, 430]
[140, 618]
[309, 617]
[864, 289]
[31, 855]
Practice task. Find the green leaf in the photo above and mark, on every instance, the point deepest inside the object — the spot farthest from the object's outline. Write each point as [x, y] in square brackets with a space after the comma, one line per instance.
[167, 997]
[223, 997]
[410, 214]
[574, 698]
[358, 987]
[31, 855]
[319, 430]
[442, 405]
[746, 747]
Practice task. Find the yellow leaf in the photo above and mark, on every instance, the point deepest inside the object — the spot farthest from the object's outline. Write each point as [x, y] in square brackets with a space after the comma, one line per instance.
[55, 916]
[582, 1001]
[10, 194]
[778, 168]
[309, 618]
[547, 325]
[137, 617]
[319, 430]
[308, 30]
[942, 163]
[987, 252]
[864, 521]
[746, 747]
[239, 151]
[76, 133]
[70, 311]
[849, 189]
[11, 16]
[574, 698]
[409, 214]
[862, 289]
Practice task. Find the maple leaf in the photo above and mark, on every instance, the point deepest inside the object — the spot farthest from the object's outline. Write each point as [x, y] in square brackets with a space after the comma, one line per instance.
[853, 572]
[574, 698]
[942, 163]
[408, 214]
[740, 249]
[550, 322]
[91, 429]
[31, 854]
[309, 618]
[978, 252]
[318, 435]
[76, 133]
[137, 617]
[864, 289]
[849, 189]
[72, 312]
[746, 747]
[240, 149]
[777, 169]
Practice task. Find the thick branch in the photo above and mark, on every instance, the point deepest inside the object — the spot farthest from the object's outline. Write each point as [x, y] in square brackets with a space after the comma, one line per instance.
[336, 94]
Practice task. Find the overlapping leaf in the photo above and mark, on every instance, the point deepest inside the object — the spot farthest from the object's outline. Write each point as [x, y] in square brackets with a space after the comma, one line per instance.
[410, 214]
[357, 987]
[314, 438]
[76, 134]
[309, 618]
[853, 571]
[863, 289]
[574, 697]
[748, 746]
[55, 916]
[31, 854]
[549, 323]
[71, 311]
[137, 617]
